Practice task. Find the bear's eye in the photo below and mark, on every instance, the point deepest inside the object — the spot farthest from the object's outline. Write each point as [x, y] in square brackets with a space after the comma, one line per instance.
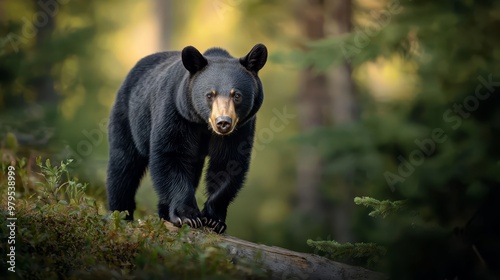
[210, 96]
[237, 97]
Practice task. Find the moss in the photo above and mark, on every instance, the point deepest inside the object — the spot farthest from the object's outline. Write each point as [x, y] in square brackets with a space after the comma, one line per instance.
[61, 234]
[363, 254]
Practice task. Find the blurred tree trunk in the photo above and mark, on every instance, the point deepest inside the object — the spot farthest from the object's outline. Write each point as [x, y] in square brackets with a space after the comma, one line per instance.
[324, 97]
[2, 9]
[344, 109]
[312, 97]
[164, 15]
[44, 83]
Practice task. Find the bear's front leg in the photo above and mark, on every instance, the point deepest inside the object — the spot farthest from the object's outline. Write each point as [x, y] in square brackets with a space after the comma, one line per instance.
[172, 174]
[228, 166]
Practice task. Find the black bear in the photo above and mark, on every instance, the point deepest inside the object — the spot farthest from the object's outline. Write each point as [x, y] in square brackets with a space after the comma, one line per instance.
[172, 111]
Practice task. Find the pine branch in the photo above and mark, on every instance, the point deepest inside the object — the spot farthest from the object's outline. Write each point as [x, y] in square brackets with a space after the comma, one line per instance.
[382, 208]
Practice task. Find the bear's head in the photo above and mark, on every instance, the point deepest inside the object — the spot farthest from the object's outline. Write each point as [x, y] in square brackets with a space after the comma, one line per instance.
[224, 91]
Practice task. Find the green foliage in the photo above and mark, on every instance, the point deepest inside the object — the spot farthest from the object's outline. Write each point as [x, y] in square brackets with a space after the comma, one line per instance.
[366, 254]
[432, 143]
[382, 208]
[54, 70]
[69, 192]
[437, 150]
[61, 234]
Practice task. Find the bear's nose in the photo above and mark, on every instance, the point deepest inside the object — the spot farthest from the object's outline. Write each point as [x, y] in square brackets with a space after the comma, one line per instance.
[223, 124]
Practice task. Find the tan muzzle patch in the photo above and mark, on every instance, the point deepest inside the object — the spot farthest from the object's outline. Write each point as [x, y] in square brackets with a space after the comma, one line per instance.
[223, 118]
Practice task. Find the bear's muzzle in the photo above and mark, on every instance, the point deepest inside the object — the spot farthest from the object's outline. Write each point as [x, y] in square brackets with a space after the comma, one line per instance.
[223, 119]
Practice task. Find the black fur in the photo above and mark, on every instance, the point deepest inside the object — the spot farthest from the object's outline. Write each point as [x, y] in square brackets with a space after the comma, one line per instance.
[160, 120]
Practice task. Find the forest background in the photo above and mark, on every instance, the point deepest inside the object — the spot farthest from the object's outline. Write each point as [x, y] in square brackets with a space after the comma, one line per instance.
[388, 99]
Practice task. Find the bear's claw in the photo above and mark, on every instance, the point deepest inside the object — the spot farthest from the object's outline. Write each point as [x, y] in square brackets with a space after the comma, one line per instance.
[217, 226]
[192, 222]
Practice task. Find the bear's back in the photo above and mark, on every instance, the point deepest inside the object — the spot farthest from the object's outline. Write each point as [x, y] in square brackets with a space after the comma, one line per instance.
[148, 85]
[154, 61]
[144, 70]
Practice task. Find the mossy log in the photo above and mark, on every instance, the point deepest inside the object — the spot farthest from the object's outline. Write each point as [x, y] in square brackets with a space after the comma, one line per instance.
[286, 264]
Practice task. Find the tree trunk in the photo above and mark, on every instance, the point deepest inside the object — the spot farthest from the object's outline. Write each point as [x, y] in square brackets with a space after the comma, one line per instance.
[344, 109]
[324, 97]
[311, 102]
[285, 264]
[44, 84]
[164, 15]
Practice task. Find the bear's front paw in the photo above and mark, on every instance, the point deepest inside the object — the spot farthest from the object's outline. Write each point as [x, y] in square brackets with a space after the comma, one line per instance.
[186, 216]
[216, 225]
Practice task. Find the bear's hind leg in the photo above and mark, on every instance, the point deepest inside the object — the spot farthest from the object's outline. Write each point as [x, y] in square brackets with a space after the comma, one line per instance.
[126, 168]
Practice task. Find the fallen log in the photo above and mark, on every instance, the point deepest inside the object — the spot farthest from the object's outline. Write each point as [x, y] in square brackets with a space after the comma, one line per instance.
[286, 264]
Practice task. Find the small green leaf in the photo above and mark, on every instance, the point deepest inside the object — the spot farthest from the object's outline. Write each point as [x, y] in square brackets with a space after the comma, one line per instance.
[11, 141]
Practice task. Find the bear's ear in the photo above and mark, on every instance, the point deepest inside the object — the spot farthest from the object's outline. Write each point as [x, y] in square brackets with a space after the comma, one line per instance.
[255, 59]
[193, 60]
